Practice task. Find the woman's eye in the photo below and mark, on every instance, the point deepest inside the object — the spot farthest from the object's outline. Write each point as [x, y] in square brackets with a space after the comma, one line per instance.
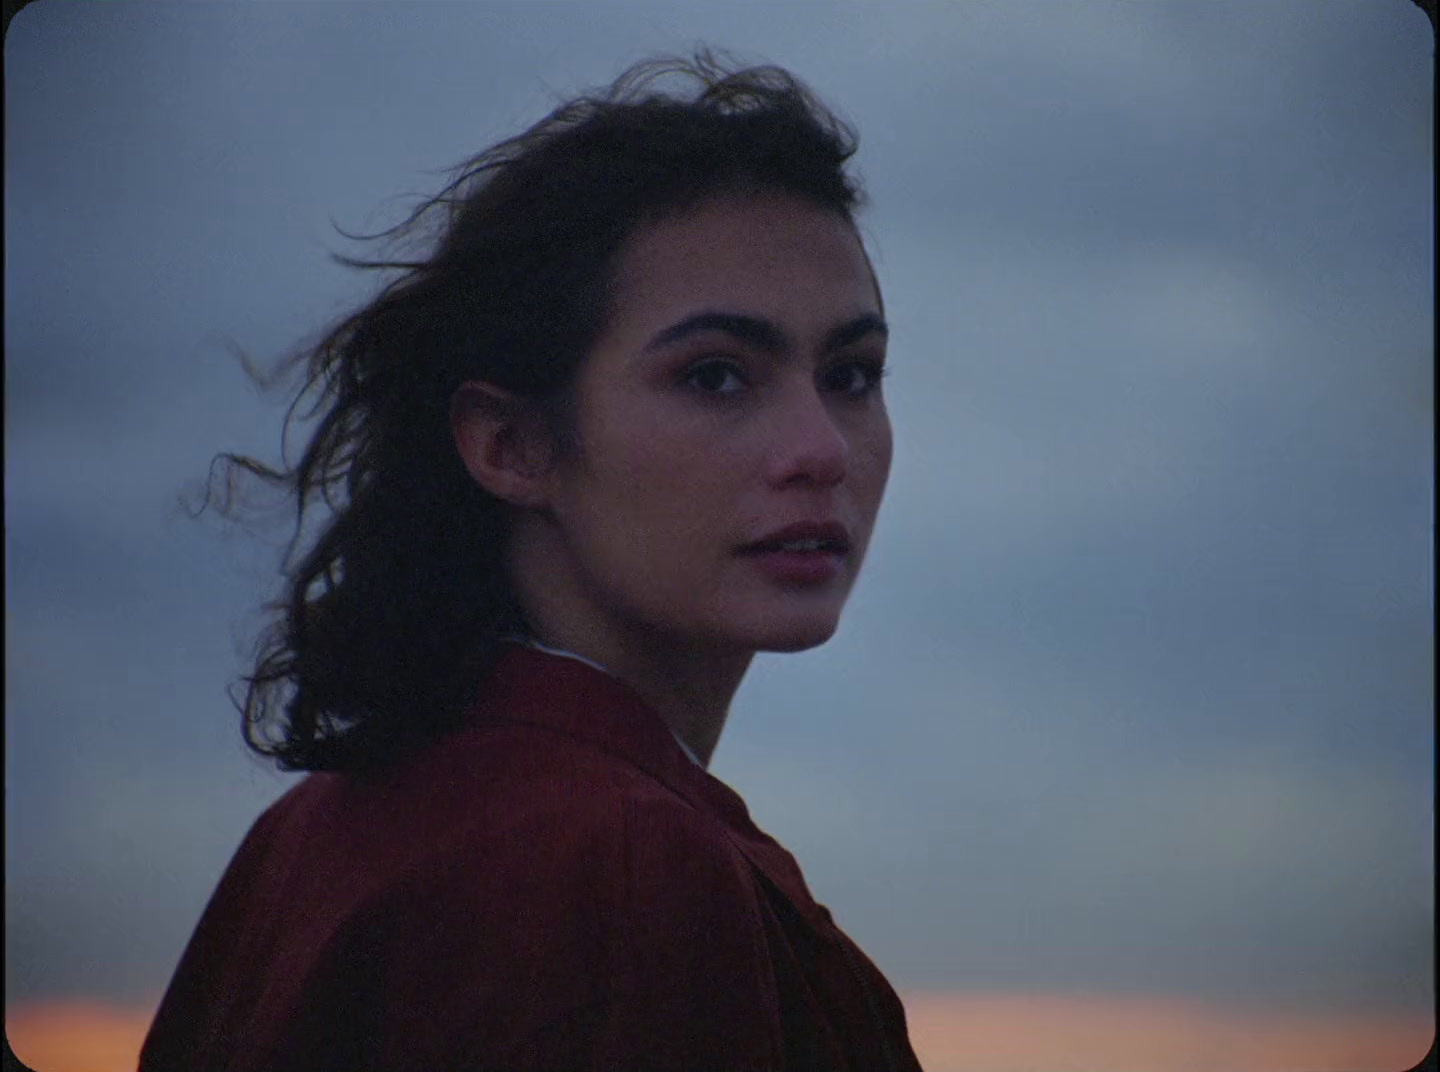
[716, 378]
[855, 377]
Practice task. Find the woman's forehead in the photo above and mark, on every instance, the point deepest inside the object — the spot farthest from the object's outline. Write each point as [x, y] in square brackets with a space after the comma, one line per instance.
[758, 252]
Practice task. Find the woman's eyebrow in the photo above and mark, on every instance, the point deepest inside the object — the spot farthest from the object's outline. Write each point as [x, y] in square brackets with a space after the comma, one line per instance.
[764, 334]
[855, 330]
[755, 331]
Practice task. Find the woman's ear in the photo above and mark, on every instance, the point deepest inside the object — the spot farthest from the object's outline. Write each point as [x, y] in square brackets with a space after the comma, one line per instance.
[503, 442]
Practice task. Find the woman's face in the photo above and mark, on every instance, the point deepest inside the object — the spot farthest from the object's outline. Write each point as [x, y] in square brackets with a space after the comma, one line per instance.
[733, 443]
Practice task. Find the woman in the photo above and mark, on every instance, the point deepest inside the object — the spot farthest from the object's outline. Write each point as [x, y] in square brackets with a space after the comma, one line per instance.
[619, 431]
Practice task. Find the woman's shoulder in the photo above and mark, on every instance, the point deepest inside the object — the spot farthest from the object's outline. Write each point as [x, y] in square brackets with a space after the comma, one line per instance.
[579, 806]
[528, 881]
[512, 798]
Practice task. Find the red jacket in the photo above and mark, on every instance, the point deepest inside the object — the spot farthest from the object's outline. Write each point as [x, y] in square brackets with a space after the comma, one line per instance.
[557, 886]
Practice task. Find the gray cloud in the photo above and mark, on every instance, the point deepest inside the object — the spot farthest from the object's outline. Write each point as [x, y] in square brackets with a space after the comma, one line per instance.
[1137, 692]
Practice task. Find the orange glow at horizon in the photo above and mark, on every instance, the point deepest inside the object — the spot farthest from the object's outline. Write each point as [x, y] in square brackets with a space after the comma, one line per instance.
[976, 1032]
[78, 1034]
[951, 1032]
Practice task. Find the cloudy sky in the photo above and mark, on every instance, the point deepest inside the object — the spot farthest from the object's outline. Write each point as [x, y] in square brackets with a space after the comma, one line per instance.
[1133, 709]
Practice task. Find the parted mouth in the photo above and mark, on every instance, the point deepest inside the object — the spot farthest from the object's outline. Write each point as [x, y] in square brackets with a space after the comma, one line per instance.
[827, 536]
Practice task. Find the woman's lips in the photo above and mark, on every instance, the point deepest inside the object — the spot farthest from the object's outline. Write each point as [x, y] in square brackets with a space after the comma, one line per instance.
[809, 552]
[799, 567]
[805, 536]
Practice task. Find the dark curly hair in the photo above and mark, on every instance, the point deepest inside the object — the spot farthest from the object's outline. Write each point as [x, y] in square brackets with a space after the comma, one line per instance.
[392, 610]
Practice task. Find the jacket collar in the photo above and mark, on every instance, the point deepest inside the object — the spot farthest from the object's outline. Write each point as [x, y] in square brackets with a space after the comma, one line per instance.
[531, 642]
[579, 700]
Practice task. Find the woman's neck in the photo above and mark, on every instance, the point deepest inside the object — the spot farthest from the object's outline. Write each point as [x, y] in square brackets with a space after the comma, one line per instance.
[687, 681]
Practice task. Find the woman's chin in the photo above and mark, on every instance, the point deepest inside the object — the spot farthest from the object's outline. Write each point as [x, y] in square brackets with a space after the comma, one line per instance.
[798, 635]
[776, 625]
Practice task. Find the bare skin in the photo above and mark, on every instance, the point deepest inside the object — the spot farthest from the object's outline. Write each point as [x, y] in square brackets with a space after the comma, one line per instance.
[733, 394]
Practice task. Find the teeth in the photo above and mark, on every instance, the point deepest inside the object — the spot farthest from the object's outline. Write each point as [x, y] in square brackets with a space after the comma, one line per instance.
[802, 545]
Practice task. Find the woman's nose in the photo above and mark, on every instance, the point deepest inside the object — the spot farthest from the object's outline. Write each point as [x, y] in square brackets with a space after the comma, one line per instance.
[810, 447]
